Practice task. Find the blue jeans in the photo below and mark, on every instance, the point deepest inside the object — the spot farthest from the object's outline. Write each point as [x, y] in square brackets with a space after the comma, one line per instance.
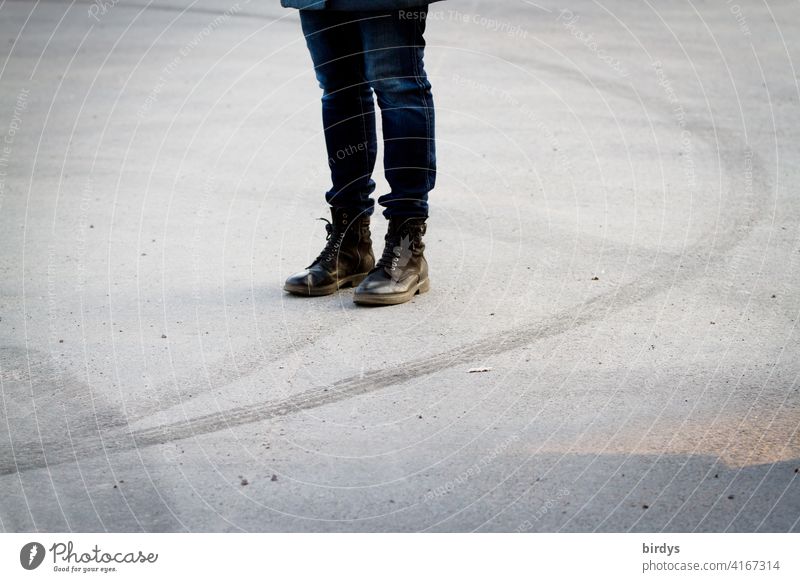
[354, 54]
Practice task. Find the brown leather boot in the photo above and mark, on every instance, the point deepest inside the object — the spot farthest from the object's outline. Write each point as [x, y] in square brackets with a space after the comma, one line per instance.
[346, 259]
[402, 270]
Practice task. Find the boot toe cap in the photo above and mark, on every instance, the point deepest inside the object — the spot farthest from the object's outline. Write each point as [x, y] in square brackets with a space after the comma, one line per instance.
[309, 282]
[301, 278]
[380, 283]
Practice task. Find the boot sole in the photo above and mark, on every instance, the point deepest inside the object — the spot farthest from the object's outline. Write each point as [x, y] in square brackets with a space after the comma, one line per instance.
[306, 291]
[395, 298]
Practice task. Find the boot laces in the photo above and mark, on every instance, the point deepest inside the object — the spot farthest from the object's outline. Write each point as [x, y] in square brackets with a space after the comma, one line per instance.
[396, 254]
[328, 255]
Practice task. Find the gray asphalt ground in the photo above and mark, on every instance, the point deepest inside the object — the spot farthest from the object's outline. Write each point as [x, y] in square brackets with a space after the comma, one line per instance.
[614, 234]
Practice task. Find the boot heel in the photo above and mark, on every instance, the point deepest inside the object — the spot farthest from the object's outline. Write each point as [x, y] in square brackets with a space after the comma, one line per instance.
[425, 286]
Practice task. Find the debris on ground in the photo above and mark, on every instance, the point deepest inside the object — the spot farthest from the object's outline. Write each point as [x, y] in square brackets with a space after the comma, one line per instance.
[478, 370]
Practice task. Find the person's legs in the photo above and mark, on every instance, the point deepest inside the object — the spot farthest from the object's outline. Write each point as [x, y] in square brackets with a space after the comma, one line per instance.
[385, 50]
[393, 47]
[348, 113]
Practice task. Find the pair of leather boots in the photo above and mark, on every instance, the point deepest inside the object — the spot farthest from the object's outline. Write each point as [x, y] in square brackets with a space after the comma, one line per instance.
[347, 260]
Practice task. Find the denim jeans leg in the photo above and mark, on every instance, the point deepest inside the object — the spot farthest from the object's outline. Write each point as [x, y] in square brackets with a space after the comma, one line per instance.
[348, 112]
[394, 47]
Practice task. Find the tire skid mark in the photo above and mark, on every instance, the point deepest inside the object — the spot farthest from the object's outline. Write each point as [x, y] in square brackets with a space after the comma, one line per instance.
[731, 229]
